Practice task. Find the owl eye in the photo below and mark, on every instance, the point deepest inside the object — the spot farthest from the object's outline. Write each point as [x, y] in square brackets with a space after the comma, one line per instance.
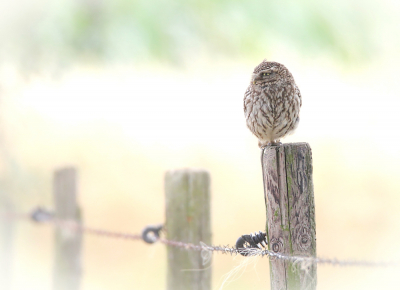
[266, 74]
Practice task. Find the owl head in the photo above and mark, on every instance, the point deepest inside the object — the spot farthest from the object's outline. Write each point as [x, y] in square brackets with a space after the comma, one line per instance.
[269, 72]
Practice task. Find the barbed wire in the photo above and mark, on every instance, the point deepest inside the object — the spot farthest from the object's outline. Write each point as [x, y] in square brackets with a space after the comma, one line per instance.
[40, 215]
[273, 255]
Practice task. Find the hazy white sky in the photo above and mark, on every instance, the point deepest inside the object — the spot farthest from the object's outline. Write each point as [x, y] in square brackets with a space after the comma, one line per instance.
[173, 107]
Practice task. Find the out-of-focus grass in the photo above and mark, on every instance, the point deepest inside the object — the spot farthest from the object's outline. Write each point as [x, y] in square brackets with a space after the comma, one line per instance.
[43, 33]
[124, 128]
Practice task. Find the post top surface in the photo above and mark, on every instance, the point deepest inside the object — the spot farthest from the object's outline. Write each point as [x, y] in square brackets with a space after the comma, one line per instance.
[187, 171]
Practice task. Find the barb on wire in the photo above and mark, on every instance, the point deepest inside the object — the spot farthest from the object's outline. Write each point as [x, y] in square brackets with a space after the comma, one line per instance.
[151, 234]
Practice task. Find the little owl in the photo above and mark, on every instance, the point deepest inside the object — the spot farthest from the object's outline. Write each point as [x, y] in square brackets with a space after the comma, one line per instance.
[272, 103]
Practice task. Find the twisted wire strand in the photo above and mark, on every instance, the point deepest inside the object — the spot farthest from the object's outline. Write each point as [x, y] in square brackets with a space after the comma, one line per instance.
[72, 225]
[273, 255]
[204, 248]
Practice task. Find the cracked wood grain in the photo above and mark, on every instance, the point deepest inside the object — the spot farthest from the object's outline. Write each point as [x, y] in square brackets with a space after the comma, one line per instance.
[289, 200]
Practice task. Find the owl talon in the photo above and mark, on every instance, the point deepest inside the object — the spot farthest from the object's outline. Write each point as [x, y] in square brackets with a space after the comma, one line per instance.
[277, 143]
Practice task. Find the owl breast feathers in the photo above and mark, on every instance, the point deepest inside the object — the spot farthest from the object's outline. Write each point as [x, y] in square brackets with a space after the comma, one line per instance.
[272, 103]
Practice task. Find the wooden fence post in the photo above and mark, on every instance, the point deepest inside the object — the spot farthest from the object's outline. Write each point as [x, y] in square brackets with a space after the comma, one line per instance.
[289, 201]
[7, 240]
[67, 267]
[188, 220]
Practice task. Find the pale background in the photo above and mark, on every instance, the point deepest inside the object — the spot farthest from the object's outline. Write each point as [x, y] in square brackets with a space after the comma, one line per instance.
[126, 90]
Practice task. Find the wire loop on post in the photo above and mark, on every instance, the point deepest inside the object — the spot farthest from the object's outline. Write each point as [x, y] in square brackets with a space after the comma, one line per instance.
[151, 234]
[255, 241]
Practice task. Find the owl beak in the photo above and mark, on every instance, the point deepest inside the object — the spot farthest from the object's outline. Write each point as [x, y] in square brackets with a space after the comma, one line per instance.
[255, 79]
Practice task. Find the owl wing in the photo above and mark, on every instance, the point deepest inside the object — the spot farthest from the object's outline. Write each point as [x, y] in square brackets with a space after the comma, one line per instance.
[246, 100]
[297, 93]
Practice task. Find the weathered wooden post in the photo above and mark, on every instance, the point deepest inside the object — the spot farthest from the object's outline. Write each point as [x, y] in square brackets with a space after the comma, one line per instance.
[289, 200]
[187, 219]
[67, 267]
[7, 229]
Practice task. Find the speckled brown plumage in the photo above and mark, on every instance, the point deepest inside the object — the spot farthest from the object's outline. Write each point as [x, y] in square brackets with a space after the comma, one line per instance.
[272, 103]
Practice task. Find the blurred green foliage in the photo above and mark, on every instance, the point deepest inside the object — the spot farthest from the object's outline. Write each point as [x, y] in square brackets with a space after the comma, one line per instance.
[176, 31]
